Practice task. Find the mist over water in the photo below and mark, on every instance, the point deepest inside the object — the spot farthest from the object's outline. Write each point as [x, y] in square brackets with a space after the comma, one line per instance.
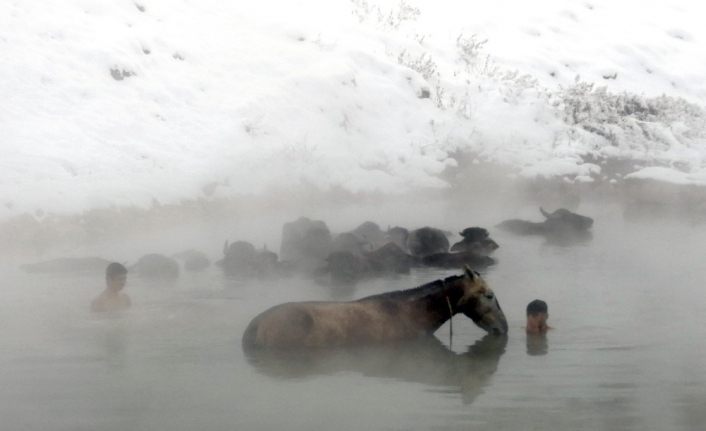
[626, 352]
[133, 128]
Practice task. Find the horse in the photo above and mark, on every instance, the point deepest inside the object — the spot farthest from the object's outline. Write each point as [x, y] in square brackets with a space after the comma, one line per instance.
[387, 317]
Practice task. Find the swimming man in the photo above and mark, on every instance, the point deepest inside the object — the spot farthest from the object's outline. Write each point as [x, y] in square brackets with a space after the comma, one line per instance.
[537, 315]
[112, 299]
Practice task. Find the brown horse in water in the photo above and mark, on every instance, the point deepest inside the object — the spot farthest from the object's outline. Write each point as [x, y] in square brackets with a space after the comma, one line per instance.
[392, 316]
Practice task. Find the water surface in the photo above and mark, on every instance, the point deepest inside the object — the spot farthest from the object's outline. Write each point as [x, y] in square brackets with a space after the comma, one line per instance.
[628, 309]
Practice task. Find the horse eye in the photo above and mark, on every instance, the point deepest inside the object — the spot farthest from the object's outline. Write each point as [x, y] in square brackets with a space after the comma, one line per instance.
[489, 295]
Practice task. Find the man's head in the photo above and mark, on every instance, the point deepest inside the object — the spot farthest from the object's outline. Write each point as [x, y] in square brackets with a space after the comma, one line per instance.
[537, 315]
[115, 276]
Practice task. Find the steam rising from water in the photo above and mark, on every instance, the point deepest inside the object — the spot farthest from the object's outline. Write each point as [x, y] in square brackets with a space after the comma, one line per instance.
[190, 163]
[624, 305]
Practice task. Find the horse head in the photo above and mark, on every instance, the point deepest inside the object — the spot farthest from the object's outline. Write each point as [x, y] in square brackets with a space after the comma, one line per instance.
[480, 304]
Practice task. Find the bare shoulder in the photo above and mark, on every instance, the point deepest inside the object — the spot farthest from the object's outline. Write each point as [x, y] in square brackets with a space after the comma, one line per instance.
[125, 300]
[105, 302]
[99, 303]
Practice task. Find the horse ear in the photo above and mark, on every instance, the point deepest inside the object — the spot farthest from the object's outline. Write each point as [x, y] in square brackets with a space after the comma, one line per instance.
[544, 213]
[469, 272]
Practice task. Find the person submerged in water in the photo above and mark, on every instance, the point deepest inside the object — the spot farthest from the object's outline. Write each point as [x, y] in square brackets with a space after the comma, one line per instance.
[112, 299]
[537, 315]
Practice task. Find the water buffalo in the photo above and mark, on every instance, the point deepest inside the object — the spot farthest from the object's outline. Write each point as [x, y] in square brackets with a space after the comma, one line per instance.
[389, 259]
[268, 263]
[193, 260]
[476, 240]
[371, 235]
[399, 236]
[346, 267]
[365, 238]
[561, 226]
[349, 242]
[427, 241]
[242, 259]
[306, 244]
[156, 267]
[457, 260]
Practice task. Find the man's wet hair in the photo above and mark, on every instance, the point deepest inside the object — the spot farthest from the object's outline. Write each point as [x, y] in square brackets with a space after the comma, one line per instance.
[115, 269]
[536, 307]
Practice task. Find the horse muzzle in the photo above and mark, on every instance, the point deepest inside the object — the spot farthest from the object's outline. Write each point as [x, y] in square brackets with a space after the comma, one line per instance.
[493, 323]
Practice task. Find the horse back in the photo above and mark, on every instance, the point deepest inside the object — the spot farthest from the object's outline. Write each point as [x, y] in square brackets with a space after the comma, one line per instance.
[284, 325]
[313, 324]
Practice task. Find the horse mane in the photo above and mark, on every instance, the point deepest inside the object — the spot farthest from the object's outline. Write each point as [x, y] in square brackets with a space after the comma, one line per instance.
[414, 293]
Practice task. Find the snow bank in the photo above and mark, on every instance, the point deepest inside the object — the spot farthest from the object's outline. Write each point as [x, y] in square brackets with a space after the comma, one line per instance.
[668, 175]
[121, 103]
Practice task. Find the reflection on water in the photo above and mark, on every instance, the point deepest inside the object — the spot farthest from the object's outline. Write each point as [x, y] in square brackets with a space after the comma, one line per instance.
[425, 361]
[537, 344]
[115, 342]
[570, 239]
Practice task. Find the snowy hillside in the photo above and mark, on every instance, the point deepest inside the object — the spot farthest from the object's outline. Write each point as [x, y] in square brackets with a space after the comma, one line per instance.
[113, 103]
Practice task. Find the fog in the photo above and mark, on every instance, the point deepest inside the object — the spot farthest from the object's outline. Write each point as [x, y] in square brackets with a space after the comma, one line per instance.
[158, 127]
[627, 307]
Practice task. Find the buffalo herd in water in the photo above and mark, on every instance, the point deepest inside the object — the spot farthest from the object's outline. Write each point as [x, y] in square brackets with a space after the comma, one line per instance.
[309, 248]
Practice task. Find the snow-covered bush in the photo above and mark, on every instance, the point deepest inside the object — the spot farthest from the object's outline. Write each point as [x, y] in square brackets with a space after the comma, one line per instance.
[662, 131]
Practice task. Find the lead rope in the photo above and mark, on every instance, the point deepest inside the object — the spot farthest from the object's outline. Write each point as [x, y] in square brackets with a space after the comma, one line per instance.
[451, 314]
[451, 322]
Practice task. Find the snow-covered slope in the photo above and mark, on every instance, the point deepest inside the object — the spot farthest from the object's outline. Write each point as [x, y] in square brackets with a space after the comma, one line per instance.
[648, 47]
[122, 103]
